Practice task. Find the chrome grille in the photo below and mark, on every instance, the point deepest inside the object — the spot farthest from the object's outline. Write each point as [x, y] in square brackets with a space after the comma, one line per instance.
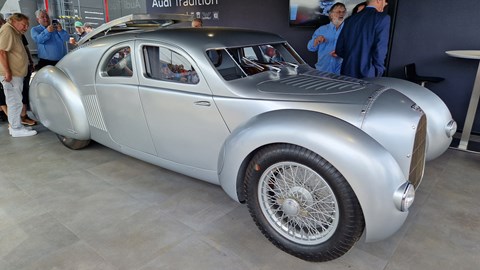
[417, 164]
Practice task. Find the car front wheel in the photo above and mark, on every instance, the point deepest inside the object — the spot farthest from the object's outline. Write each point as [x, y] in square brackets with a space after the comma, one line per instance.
[73, 143]
[302, 204]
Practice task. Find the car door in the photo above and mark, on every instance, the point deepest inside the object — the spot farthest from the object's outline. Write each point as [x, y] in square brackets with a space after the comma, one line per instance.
[119, 99]
[184, 122]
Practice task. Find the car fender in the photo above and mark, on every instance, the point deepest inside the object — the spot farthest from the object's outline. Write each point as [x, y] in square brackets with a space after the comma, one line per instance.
[369, 168]
[56, 102]
[439, 118]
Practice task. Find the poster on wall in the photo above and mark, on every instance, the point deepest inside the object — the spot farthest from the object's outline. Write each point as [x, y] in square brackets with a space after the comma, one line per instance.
[207, 10]
[314, 13]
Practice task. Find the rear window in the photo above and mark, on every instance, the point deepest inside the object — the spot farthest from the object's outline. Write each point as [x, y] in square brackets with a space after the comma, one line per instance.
[120, 63]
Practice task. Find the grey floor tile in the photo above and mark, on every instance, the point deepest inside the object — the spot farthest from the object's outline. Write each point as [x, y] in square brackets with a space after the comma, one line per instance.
[159, 185]
[199, 208]
[76, 186]
[139, 239]
[11, 145]
[99, 209]
[117, 171]
[7, 187]
[76, 256]
[195, 253]
[33, 239]
[32, 173]
[428, 247]
[17, 207]
[237, 232]
[354, 259]
[92, 156]
[3, 264]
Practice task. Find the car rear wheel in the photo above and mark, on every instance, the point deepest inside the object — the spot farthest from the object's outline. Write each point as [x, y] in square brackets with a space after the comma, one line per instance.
[302, 204]
[73, 143]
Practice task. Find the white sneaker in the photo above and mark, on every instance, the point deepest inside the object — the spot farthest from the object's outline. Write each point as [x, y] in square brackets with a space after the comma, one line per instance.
[10, 129]
[22, 132]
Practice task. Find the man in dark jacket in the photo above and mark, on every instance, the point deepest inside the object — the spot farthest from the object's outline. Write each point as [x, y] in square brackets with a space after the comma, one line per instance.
[363, 42]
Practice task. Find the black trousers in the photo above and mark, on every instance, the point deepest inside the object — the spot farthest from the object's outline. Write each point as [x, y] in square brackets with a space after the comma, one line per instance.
[44, 62]
[2, 96]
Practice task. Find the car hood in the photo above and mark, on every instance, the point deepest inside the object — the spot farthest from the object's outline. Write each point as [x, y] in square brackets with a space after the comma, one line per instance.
[343, 97]
[317, 88]
[308, 85]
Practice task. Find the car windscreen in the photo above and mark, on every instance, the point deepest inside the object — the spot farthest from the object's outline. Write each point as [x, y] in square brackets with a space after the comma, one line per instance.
[239, 62]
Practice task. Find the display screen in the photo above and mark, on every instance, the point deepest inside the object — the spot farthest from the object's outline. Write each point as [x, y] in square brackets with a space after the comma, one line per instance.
[313, 13]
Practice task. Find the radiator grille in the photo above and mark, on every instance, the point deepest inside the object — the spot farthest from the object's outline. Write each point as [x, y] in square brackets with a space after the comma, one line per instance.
[417, 164]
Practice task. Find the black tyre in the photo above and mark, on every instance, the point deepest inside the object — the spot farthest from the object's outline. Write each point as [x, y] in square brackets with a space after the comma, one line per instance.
[73, 143]
[302, 204]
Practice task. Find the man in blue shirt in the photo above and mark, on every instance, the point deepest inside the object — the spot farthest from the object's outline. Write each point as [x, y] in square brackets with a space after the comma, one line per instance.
[325, 38]
[50, 38]
[363, 42]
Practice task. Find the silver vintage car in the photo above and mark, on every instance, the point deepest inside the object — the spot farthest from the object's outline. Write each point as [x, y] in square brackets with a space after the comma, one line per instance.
[319, 159]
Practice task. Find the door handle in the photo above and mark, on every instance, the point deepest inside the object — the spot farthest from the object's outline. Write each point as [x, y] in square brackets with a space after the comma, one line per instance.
[202, 103]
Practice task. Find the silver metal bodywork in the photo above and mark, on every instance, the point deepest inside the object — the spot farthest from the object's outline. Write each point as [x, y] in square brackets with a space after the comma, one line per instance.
[209, 130]
[433, 106]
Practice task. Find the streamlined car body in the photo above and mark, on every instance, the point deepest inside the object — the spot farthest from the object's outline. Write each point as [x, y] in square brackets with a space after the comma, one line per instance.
[319, 159]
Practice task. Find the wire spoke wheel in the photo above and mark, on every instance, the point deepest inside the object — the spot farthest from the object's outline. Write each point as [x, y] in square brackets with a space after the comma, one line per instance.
[302, 203]
[298, 203]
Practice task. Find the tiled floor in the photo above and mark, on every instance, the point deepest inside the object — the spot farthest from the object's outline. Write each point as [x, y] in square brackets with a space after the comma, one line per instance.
[99, 209]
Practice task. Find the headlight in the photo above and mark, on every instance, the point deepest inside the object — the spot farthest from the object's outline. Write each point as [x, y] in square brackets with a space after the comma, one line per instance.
[451, 128]
[404, 196]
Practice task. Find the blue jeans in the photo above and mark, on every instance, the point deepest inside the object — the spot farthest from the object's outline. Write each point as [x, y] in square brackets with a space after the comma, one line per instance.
[13, 97]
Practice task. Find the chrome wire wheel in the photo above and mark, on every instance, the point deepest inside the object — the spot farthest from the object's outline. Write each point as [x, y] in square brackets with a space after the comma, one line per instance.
[298, 203]
[302, 203]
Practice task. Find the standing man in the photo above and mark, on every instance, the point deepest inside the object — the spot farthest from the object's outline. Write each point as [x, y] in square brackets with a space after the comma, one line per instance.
[13, 68]
[51, 40]
[87, 27]
[79, 33]
[363, 42]
[324, 39]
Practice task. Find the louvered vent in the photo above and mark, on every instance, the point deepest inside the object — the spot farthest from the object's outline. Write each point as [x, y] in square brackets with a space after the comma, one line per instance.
[94, 115]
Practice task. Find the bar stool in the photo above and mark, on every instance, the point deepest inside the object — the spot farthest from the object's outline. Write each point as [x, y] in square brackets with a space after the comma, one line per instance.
[411, 75]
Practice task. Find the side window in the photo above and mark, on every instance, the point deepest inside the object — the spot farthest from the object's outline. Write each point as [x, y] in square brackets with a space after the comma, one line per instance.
[225, 65]
[271, 55]
[120, 63]
[167, 65]
[250, 53]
